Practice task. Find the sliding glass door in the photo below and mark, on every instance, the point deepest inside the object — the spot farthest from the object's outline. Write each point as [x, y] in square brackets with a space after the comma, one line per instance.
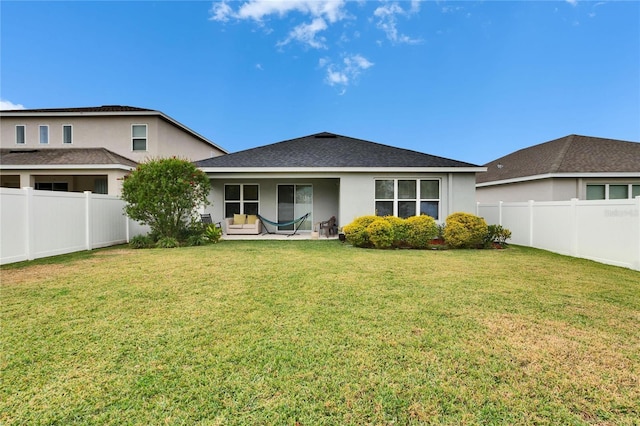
[294, 201]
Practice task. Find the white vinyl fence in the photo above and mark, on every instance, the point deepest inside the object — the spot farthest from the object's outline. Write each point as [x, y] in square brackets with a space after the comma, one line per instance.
[607, 231]
[35, 224]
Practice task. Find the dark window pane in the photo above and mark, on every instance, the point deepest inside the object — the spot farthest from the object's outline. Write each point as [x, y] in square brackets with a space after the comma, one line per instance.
[232, 192]
[430, 208]
[406, 189]
[618, 192]
[250, 208]
[231, 208]
[384, 208]
[384, 189]
[635, 191]
[406, 209]
[139, 144]
[250, 192]
[429, 189]
[595, 192]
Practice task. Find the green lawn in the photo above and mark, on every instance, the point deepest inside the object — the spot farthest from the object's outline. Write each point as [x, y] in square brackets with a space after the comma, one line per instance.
[316, 332]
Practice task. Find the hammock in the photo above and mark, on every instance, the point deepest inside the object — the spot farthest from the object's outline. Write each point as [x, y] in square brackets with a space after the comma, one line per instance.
[299, 221]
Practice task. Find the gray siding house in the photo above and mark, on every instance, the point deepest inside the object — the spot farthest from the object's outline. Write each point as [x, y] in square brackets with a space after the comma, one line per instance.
[327, 175]
[89, 148]
[582, 167]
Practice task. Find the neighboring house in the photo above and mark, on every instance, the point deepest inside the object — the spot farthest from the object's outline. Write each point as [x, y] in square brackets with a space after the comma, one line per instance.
[89, 149]
[331, 175]
[582, 167]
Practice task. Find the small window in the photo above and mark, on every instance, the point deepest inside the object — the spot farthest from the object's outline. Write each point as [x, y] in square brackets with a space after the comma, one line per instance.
[407, 197]
[241, 198]
[20, 134]
[595, 192]
[67, 134]
[139, 137]
[44, 135]
[52, 186]
[618, 192]
[635, 191]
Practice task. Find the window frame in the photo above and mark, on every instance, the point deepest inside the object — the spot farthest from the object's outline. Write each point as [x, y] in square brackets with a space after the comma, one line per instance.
[135, 138]
[418, 199]
[70, 126]
[41, 127]
[24, 134]
[607, 192]
[241, 201]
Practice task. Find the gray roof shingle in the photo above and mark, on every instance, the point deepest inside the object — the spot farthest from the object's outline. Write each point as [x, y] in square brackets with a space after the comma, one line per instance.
[103, 108]
[62, 157]
[323, 150]
[570, 154]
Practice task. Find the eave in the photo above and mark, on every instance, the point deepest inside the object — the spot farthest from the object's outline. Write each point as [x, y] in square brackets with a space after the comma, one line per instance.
[575, 175]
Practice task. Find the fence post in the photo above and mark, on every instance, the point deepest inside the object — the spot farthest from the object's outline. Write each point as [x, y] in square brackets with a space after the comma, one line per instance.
[500, 212]
[477, 208]
[574, 227]
[30, 214]
[531, 223]
[637, 266]
[87, 220]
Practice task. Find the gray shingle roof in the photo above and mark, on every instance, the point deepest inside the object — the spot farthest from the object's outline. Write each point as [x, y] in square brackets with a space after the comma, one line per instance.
[570, 154]
[62, 156]
[103, 108]
[323, 150]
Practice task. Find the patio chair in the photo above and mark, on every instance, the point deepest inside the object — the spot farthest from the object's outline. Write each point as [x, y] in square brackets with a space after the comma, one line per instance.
[329, 227]
[206, 219]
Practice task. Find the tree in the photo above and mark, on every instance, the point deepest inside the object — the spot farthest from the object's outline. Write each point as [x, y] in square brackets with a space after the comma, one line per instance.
[164, 194]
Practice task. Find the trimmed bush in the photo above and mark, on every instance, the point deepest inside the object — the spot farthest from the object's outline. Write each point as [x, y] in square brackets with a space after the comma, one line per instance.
[356, 232]
[464, 230]
[421, 230]
[400, 230]
[496, 234]
[380, 233]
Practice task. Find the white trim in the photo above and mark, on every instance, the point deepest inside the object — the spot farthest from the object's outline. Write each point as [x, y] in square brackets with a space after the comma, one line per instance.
[146, 137]
[68, 167]
[235, 170]
[63, 126]
[15, 140]
[40, 126]
[561, 175]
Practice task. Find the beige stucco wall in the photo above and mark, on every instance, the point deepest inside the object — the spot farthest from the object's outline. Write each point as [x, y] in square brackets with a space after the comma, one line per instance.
[550, 189]
[346, 195]
[110, 132]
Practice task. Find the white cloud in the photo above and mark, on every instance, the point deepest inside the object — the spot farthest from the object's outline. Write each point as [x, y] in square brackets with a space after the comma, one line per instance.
[572, 2]
[259, 66]
[8, 105]
[307, 34]
[257, 10]
[346, 72]
[388, 22]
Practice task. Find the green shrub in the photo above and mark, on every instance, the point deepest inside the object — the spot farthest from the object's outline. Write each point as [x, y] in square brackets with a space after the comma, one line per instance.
[381, 233]
[497, 234]
[356, 232]
[141, 242]
[213, 234]
[421, 230]
[400, 230]
[465, 230]
[168, 242]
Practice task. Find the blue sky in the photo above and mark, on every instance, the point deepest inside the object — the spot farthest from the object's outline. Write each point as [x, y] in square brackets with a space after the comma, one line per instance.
[472, 81]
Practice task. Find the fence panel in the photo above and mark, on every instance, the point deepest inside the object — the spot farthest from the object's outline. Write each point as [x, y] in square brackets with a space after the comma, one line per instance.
[59, 223]
[614, 235]
[108, 222]
[13, 222]
[606, 231]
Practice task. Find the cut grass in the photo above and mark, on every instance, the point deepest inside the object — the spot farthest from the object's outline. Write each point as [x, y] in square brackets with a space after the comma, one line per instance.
[316, 332]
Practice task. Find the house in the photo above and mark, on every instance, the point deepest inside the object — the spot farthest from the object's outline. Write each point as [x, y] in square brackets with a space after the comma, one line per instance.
[89, 149]
[327, 175]
[582, 167]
